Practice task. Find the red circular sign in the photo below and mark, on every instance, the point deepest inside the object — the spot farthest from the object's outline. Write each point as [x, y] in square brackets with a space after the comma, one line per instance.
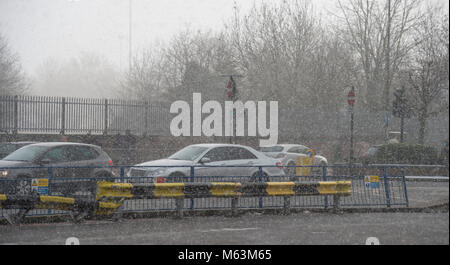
[351, 98]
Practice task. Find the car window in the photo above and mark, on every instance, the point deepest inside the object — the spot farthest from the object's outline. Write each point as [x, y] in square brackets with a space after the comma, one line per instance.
[272, 149]
[238, 153]
[57, 154]
[188, 153]
[79, 153]
[293, 150]
[26, 153]
[219, 154]
[302, 150]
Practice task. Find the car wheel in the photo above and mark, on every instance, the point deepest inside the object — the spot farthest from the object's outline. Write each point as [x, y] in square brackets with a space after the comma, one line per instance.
[291, 171]
[176, 177]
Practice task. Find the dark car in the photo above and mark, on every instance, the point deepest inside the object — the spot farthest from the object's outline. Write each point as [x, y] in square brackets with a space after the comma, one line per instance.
[64, 162]
[9, 147]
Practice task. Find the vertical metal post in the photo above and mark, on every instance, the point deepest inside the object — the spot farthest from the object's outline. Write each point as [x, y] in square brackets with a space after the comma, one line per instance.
[50, 177]
[105, 128]
[404, 187]
[386, 188]
[324, 177]
[179, 205]
[260, 173]
[351, 143]
[122, 174]
[402, 121]
[234, 202]
[192, 180]
[63, 116]
[146, 118]
[388, 73]
[287, 205]
[337, 203]
[16, 114]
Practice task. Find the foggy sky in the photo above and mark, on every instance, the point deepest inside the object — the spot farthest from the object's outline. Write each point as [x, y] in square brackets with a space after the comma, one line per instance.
[39, 29]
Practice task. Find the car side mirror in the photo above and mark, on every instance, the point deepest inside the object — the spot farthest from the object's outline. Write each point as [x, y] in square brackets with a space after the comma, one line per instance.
[205, 160]
[44, 161]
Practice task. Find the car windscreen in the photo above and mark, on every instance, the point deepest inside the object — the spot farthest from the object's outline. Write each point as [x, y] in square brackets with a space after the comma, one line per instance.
[27, 153]
[188, 153]
[272, 149]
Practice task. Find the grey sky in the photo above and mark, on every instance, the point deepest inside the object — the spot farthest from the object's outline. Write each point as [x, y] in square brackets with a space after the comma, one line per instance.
[39, 29]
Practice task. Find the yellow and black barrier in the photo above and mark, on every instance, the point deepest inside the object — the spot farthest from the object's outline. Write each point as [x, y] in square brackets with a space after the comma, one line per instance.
[180, 191]
[110, 195]
[78, 207]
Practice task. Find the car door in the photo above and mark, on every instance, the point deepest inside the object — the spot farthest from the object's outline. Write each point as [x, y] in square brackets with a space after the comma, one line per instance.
[218, 156]
[79, 158]
[58, 158]
[241, 158]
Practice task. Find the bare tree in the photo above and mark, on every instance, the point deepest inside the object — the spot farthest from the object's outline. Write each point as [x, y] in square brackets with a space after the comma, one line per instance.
[12, 78]
[366, 25]
[428, 73]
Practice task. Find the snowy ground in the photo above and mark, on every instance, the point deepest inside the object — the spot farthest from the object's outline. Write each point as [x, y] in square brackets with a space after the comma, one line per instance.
[300, 228]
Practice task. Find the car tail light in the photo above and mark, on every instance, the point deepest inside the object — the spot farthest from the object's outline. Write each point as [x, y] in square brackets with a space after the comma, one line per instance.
[160, 180]
[278, 164]
[280, 156]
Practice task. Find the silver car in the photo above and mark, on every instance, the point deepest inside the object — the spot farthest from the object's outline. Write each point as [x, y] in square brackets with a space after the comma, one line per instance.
[288, 154]
[209, 160]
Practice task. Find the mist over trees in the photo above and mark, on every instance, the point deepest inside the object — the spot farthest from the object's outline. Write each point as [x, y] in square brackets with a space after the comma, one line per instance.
[88, 75]
[13, 80]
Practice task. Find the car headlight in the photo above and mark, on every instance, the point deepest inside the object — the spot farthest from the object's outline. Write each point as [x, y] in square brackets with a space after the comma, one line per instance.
[3, 173]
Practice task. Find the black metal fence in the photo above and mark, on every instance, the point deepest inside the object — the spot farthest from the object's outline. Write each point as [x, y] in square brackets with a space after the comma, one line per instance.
[387, 189]
[55, 115]
[40, 114]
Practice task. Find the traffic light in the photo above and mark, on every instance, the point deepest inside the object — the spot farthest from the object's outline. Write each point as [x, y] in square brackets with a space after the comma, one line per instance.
[400, 108]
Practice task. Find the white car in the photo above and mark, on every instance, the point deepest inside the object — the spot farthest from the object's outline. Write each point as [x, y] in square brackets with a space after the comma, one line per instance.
[209, 160]
[288, 154]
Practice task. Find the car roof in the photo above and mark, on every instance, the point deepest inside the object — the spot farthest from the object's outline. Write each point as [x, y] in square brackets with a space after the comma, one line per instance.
[219, 145]
[287, 145]
[50, 144]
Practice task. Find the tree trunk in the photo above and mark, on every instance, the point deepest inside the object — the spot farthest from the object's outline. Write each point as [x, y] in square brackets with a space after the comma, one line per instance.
[422, 125]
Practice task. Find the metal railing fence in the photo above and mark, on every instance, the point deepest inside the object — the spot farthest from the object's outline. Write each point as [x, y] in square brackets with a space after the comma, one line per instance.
[384, 190]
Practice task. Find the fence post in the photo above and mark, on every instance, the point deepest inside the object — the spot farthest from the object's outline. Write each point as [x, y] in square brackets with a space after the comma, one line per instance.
[146, 118]
[16, 114]
[122, 174]
[404, 187]
[234, 202]
[386, 188]
[105, 127]
[63, 116]
[324, 177]
[337, 203]
[179, 205]
[260, 174]
[50, 177]
[192, 180]
[287, 205]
